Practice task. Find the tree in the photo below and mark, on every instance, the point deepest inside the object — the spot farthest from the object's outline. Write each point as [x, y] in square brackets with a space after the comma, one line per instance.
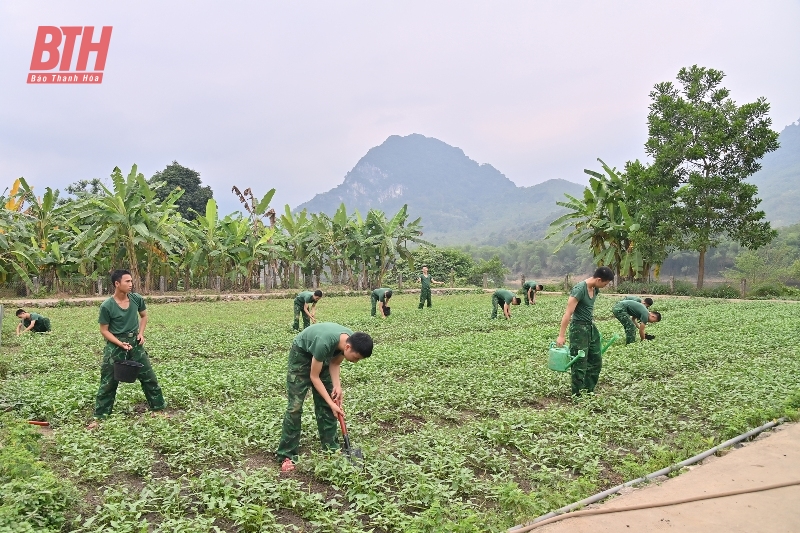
[176, 176]
[703, 147]
[603, 219]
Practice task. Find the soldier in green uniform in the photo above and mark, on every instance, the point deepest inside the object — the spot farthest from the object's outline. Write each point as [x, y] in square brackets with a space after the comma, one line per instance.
[583, 334]
[123, 319]
[530, 288]
[425, 281]
[32, 322]
[380, 299]
[646, 301]
[505, 298]
[301, 303]
[629, 307]
[315, 360]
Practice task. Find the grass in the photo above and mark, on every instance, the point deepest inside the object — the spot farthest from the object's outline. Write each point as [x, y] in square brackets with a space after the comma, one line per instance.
[463, 426]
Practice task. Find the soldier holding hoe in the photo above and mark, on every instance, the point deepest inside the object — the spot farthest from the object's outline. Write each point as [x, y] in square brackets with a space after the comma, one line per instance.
[315, 361]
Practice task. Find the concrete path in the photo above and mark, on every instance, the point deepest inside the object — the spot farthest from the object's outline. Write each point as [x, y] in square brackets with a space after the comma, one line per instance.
[772, 458]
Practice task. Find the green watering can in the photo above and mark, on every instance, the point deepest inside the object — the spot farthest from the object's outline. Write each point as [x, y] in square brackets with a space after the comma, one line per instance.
[560, 360]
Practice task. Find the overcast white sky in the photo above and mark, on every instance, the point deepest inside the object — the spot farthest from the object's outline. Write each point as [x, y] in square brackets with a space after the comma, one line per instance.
[291, 95]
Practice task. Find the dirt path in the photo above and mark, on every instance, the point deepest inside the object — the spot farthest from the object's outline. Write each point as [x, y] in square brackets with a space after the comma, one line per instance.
[772, 458]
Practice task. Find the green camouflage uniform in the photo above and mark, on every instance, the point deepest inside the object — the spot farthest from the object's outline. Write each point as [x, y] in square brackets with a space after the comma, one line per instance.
[305, 297]
[378, 295]
[633, 298]
[525, 287]
[42, 323]
[624, 310]
[124, 325]
[425, 293]
[583, 335]
[320, 342]
[499, 298]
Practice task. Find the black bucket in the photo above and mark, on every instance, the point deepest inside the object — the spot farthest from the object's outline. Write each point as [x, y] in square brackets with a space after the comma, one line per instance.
[387, 310]
[127, 371]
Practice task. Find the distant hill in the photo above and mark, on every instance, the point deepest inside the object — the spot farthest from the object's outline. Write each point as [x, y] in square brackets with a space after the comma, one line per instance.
[459, 200]
[778, 180]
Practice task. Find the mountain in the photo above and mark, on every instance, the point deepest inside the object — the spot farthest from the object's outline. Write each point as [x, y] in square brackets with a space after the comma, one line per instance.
[778, 180]
[459, 200]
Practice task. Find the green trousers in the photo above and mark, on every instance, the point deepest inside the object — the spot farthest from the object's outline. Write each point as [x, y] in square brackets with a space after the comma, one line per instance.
[298, 381]
[374, 305]
[630, 328]
[586, 371]
[298, 312]
[107, 393]
[496, 301]
[424, 294]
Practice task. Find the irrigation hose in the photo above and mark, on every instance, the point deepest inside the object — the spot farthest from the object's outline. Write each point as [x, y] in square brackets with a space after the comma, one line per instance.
[589, 512]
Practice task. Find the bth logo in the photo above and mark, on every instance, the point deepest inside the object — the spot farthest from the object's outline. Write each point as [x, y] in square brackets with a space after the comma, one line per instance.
[48, 54]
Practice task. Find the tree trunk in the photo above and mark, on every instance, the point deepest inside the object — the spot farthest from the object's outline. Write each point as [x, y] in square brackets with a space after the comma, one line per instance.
[701, 268]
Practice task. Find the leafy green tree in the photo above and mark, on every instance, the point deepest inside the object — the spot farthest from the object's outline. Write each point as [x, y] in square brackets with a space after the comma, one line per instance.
[703, 147]
[494, 268]
[176, 176]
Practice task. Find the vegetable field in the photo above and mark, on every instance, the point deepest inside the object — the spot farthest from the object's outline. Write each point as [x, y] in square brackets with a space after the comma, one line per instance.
[462, 425]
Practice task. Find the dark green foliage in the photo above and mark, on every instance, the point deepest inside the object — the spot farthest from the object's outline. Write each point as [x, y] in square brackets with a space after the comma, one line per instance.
[493, 268]
[441, 262]
[194, 196]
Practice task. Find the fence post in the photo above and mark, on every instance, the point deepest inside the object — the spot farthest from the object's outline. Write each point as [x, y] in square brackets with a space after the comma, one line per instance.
[744, 287]
[35, 280]
[485, 280]
[262, 279]
[219, 284]
[672, 284]
[521, 280]
[566, 283]
[400, 281]
[452, 277]
[162, 284]
[99, 286]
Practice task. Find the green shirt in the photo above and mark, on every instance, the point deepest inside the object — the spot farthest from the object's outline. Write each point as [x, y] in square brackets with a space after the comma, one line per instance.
[505, 295]
[425, 280]
[42, 324]
[633, 308]
[380, 294]
[529, 285]
[633, 298]
[585, 308]
[321, 341]
[121, 320]
[26, 322]
[307, 297]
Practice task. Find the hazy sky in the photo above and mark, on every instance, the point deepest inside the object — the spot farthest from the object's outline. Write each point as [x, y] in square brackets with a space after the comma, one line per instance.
[291, 95]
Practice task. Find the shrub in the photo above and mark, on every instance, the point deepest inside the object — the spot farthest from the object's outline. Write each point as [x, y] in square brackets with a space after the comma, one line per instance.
[770, 289]
[722, 291]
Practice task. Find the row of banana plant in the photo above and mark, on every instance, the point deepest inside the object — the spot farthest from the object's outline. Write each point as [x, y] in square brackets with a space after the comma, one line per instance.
[127, 225]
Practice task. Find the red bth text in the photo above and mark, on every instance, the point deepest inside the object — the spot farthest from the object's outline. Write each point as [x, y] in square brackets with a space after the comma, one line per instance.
[54, 48]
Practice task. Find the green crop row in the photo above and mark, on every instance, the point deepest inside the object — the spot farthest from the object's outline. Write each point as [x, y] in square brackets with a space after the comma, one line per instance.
[462, 425]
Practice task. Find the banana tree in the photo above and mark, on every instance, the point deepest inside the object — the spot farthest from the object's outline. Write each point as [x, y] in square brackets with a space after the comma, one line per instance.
[602, 219]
